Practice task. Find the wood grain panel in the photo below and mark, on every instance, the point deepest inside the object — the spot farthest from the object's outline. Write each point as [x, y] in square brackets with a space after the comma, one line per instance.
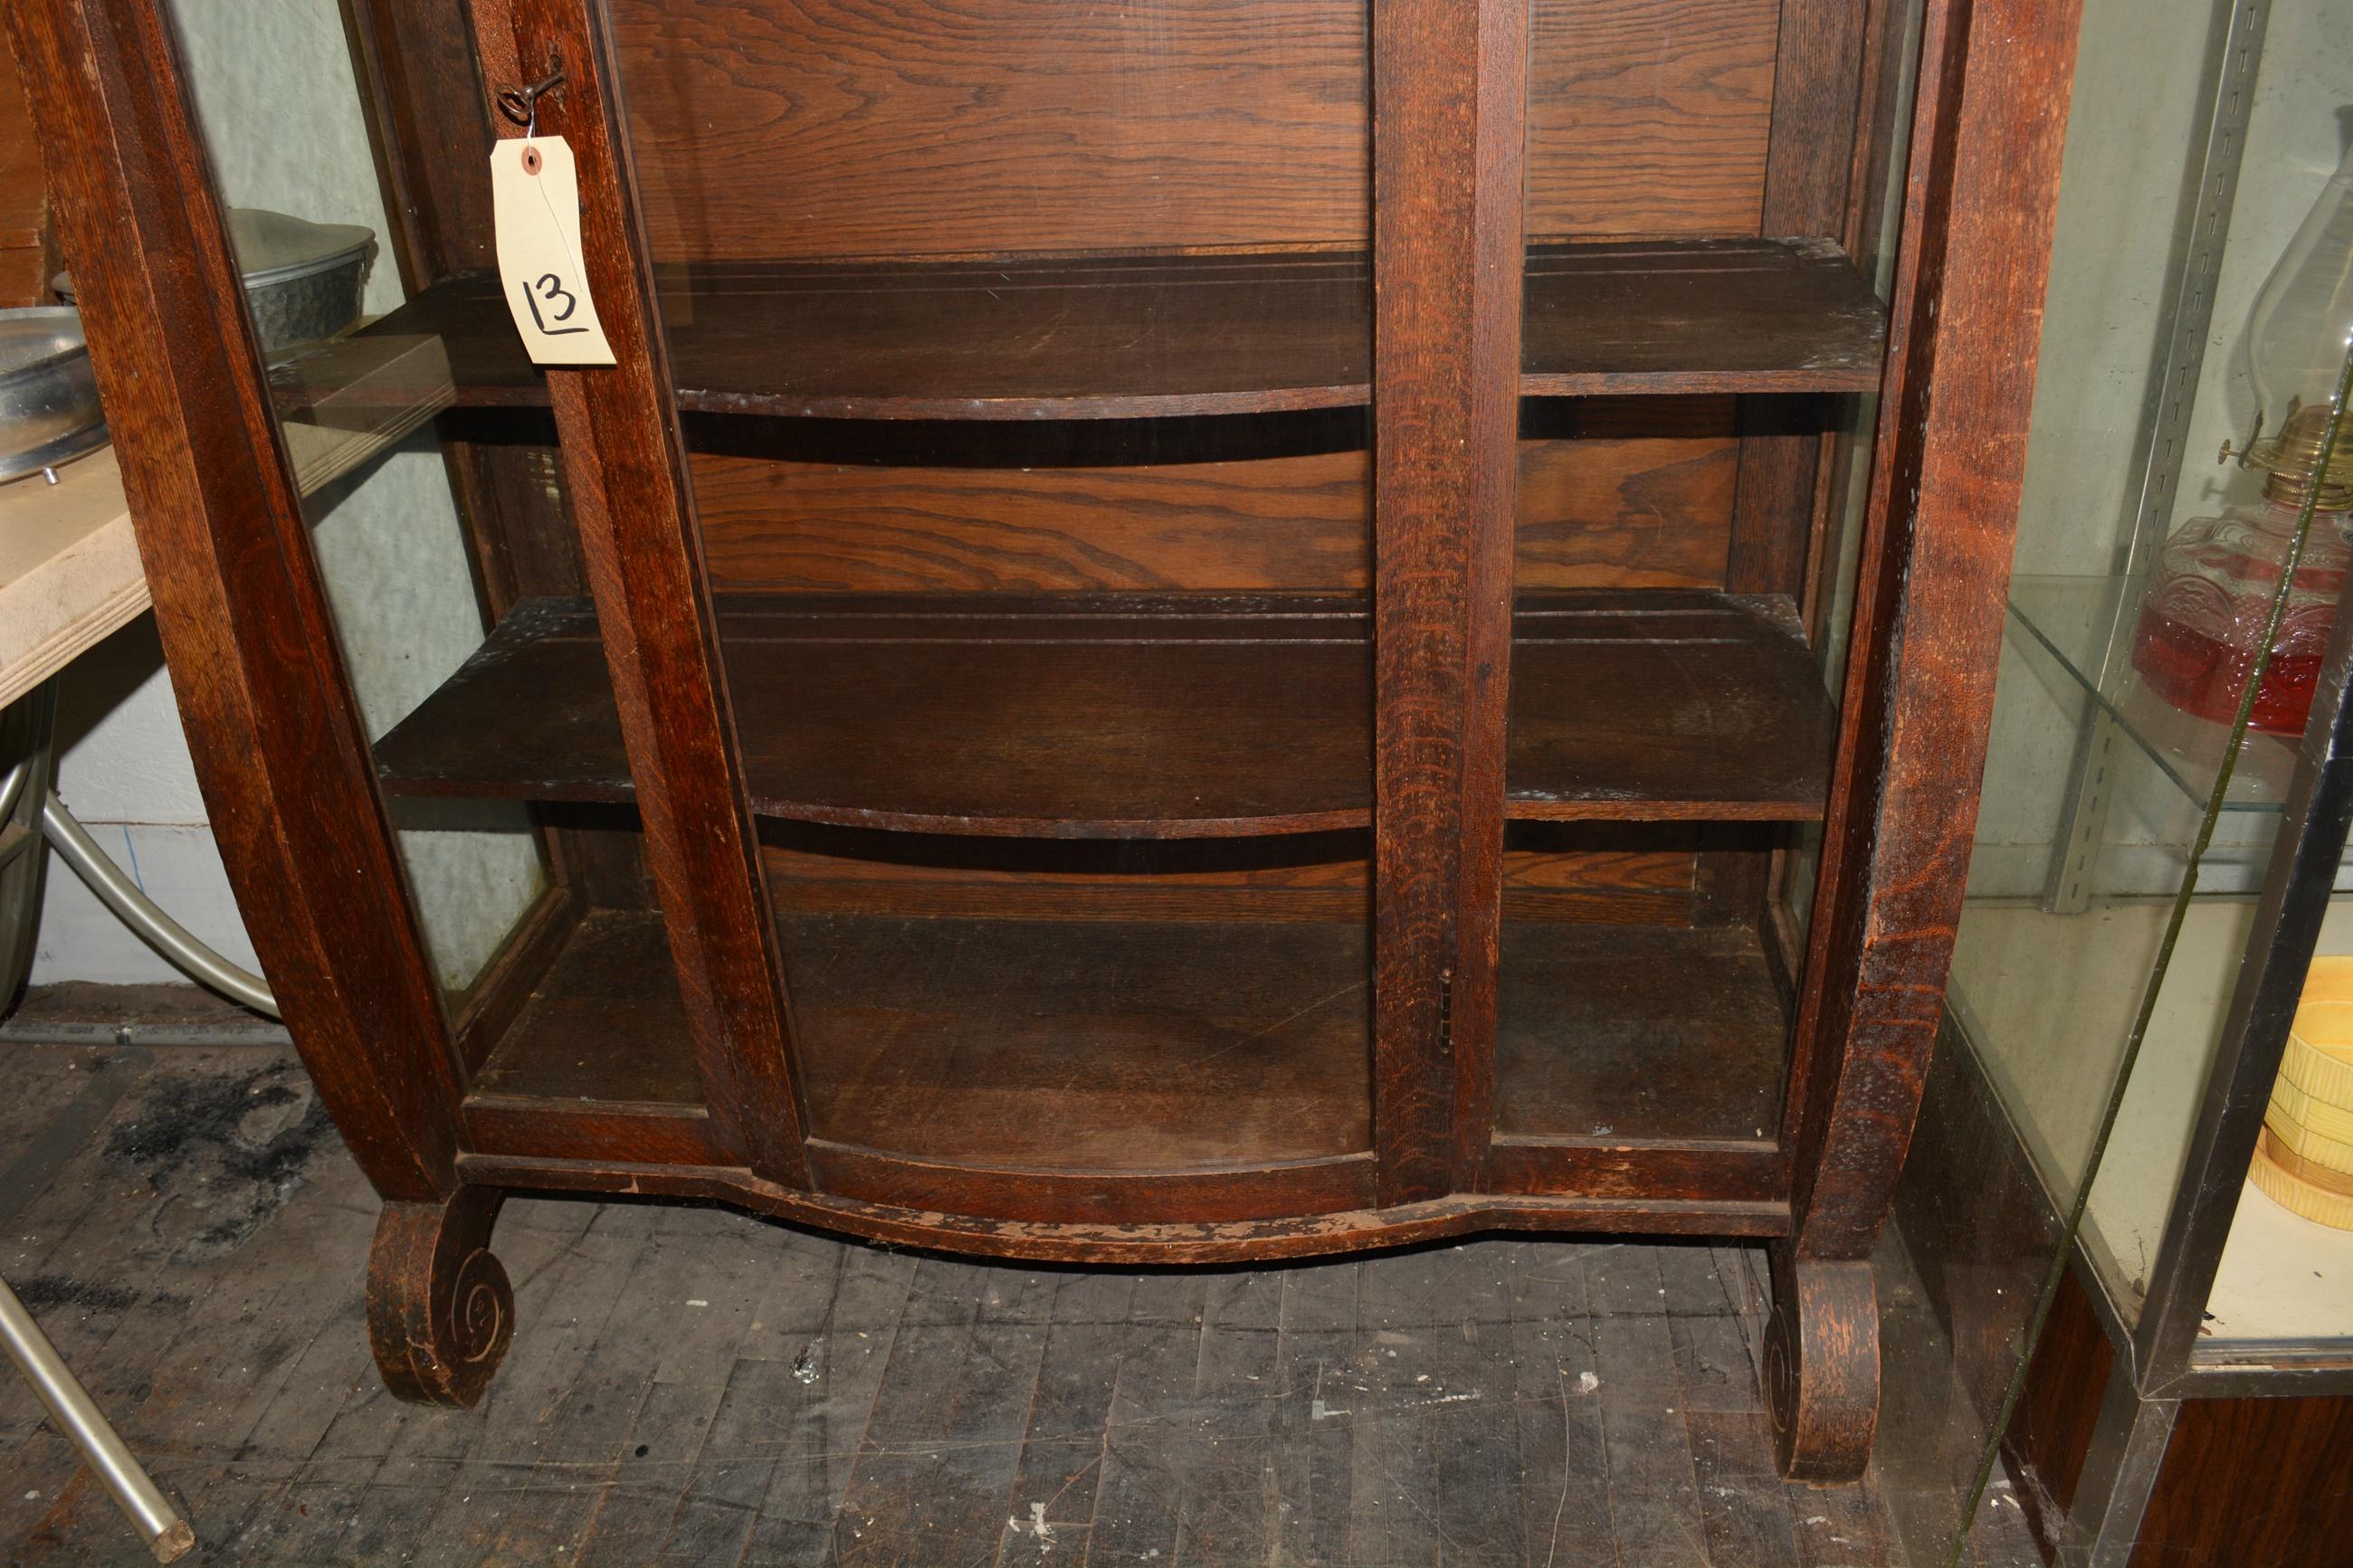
[1649, 116]
[1639, 512]
[26, 255]
[971, 127]
[915, 127]
[2251, 1483]
[1643, 513]
[1333, 1185]
[2058, 1413]
[1277, 523]
[554, 1129]
[1604, 1169]
[1146, 1245]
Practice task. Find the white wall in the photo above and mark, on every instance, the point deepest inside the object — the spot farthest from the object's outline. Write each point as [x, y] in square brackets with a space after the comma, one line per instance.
[125, 772]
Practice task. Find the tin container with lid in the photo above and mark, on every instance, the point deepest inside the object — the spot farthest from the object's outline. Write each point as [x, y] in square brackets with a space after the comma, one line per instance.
[302, 280]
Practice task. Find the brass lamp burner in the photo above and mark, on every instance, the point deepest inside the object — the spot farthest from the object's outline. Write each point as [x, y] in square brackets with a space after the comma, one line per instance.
[2291, 455]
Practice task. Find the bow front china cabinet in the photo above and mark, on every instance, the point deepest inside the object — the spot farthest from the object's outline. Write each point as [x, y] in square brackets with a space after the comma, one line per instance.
[1179, 631]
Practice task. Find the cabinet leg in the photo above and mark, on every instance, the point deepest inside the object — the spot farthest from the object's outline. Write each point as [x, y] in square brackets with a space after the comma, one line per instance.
[1821, 1367]
[440, 1310]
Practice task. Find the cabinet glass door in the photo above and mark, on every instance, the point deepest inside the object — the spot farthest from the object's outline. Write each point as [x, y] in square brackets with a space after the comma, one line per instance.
[1023, 356]
[439, 502]
[1695, 414]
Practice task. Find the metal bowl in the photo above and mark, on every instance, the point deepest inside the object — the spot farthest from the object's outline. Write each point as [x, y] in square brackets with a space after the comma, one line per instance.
[49, 398]
[302, 280]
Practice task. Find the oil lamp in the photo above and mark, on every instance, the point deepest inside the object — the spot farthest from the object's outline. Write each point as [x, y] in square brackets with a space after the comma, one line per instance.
[2210, 594]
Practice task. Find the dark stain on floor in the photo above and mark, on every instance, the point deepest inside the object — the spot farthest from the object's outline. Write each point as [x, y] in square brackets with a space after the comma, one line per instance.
[240, 1142]
[43, 1292]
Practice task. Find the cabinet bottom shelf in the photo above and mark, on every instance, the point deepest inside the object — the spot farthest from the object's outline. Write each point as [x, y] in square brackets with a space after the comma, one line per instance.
[1076, 1049]
[1616, 1033]
[1006, 1045]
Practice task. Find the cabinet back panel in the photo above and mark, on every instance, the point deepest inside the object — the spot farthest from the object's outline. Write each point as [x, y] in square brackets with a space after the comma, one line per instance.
[1649, 117]
[1643, 513]
[768, 128]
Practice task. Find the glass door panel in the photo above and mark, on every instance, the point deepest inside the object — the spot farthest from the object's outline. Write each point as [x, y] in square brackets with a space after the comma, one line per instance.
[1024, 357]
[1695, 431]
[439, 516]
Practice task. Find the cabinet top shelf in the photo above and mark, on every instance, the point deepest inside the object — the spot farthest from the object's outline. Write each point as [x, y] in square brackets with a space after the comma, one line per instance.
[1110, 338]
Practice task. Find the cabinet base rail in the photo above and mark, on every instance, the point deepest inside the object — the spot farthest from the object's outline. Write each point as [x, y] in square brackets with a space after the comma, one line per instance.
[441, 1317]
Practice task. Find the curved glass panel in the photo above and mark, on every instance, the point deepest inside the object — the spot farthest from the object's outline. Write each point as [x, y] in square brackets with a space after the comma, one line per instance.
[438, 505]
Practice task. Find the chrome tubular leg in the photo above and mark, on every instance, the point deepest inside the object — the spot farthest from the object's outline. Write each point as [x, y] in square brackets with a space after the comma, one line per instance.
[136, 910]
[167, 1535]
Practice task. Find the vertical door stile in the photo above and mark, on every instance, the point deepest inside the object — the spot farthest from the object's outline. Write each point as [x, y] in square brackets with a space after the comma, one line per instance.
[631, 500]
[1502, 251]
[1963, 341]
[1447, 106]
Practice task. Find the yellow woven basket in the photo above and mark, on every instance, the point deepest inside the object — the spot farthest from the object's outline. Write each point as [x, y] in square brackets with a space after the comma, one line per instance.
[2280, 1122]
[2297, 1195]
[2304, 1160]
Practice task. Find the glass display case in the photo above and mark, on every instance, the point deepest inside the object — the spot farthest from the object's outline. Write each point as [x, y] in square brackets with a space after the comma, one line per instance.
[2162, 827]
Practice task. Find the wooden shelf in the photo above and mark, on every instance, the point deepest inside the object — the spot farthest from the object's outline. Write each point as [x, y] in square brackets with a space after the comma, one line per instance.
[1698, 316]
[1629, 1033]
[1098, 1045]
[1015, 1044]
[1111, 716]
[1078, 716]
[1665, 705]
[1155, 336]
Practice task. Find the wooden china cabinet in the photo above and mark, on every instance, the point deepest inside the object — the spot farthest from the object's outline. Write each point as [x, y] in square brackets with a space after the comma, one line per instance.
[1186, 632]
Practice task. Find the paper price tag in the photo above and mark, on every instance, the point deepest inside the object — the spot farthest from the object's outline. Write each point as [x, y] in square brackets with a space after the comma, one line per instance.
[536, 203]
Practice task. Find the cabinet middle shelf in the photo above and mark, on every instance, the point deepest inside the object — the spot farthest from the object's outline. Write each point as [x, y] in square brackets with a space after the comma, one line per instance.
[1144, 337]
[1127, 716]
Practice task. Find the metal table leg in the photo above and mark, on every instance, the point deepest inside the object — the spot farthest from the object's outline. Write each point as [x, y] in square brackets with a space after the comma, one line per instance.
[167, 1535]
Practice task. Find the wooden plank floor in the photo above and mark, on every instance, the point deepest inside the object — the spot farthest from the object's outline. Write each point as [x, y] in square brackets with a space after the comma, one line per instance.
[697, 1386]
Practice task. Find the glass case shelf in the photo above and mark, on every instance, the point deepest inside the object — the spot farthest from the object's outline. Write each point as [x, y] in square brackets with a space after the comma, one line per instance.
[2086, 624]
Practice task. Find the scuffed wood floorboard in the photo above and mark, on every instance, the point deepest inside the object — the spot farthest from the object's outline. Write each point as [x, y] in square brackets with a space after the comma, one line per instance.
[693, 1385]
